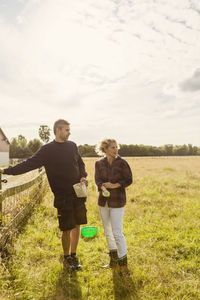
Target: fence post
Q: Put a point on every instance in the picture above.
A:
(1, 199)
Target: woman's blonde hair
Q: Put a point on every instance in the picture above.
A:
(103, 145)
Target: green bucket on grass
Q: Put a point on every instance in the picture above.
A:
(89, 231)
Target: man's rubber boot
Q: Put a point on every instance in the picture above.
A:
(113, 260)
(75, 263)
(68, 263)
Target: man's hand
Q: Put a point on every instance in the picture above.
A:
(1, 171)
(84, 180)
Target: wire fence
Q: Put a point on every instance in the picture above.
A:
(17, 203)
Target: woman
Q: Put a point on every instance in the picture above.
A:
(113, 173)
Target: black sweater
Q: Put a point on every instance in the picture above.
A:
(63, 164)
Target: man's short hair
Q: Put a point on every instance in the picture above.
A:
(59, 124)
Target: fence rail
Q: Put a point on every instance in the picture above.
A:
(17, 202)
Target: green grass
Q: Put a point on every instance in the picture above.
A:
(161, 225)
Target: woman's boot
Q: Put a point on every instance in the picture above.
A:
(113, 260)
(123, 265)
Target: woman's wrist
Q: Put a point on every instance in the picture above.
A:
(109, 185)
(116, 185)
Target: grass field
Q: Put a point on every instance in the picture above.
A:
(162, 229)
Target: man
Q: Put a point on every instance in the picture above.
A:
(64, 167)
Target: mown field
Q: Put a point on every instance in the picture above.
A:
(162, 229)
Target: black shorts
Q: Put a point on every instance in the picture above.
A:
(71, 211)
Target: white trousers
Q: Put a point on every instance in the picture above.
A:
(112, 220)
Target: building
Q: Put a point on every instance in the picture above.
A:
(4, 149)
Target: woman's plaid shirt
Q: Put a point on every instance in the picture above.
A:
(118, 172)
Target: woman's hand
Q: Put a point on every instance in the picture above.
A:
(109, 185)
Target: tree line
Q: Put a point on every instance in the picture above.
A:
(21, 148)
(143, 150)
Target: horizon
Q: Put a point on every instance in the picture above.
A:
(128, 144)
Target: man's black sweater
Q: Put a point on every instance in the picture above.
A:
(63, 164)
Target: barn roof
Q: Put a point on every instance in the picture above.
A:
(5, 138)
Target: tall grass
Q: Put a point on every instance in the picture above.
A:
(162, 229)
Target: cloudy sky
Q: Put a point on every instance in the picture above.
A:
(126, 69)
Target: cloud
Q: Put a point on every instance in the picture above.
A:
(192, 84)
(109, 67)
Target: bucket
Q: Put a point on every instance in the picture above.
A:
(89, 231)
(80, 190)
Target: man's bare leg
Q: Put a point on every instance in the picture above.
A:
(70, 239)
(75, 234)
(66, 240)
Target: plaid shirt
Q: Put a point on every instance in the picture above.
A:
(118, 172)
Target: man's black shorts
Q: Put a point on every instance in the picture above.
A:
(71, 211)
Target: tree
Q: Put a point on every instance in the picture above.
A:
(181, 150)
(87, 150)
(22, 146)
(168, 148)
(44, 133)
(19, 148)
(14, 148)
(34, 145)
(22, 142)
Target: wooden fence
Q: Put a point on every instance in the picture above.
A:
(17, 203)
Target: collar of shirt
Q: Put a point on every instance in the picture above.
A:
(107, 163)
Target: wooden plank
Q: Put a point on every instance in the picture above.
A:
(20, 188)
(0, 182)
(1, 200)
